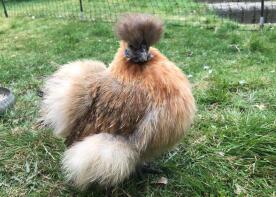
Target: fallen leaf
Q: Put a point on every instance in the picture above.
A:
(239, 189)
(242, 82)
(260, 106)
(162, 181)
(206, 67)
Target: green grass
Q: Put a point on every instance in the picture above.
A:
(230, 149)
(106, 10)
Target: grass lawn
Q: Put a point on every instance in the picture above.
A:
(230, 149)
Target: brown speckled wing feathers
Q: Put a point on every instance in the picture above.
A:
(114, 108)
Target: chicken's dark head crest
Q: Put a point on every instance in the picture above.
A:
(139, 31)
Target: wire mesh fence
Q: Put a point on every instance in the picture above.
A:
(187, 11)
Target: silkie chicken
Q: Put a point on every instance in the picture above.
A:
(114, 119)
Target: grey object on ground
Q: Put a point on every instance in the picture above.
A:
(246, 12)
(7, 99)
(230, 1)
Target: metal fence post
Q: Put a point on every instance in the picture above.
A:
(5, 9)
(262, 14)
(81, 10)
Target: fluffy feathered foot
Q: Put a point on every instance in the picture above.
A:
(148, 169)
(143, 170)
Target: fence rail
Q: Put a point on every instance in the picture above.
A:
(186, 11)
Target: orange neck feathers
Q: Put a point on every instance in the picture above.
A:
(126, 70)
(158, 76)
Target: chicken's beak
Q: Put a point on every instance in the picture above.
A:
(139, 56)
(144, 56)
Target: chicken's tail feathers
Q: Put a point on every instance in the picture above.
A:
(64, 88)
(138, 28)
(102, 158)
